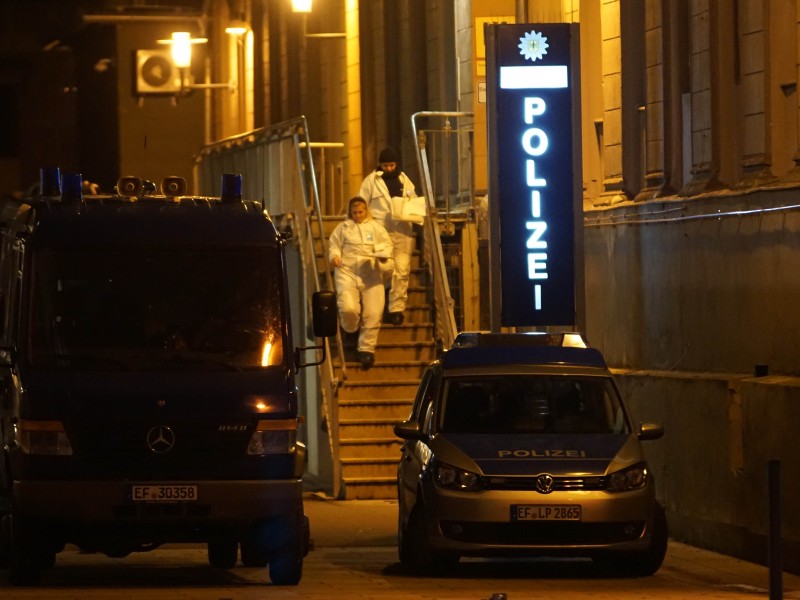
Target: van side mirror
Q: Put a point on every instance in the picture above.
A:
(324, 313)
(325, 323)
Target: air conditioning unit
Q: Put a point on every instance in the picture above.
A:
(156, 73)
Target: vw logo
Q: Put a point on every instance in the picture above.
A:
(160, 439)
(544, 484)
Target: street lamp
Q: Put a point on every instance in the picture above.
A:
(181, 43)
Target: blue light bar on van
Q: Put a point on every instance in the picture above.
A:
(231, 187)
(72, 187)
(50, 181)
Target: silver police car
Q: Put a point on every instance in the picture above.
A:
(520, 445)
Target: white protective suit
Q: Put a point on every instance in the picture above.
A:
(359, 283)
(376, 193)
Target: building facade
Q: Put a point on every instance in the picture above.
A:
(691, 191)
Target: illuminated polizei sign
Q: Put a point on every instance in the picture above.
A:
(531, 117)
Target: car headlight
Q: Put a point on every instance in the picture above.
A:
(632, 478)
(452, 478)
(48, 438)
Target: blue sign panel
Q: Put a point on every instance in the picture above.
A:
(533, 181)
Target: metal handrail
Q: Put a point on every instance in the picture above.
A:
(446, 328)
(250, 145)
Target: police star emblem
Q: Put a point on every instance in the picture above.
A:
(533, 46)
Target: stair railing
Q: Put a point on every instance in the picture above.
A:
(446, 328)
(278, 166)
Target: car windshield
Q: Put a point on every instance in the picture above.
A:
(156, 309)
(531, 404)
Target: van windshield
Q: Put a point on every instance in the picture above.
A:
(156, 309)
(531, 404)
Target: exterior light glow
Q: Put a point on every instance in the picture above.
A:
(181, 49)
(301, 6)
(237, 27)
(181, 43)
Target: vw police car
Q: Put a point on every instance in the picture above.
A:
(520, 445)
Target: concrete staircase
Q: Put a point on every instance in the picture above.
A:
(371, 402)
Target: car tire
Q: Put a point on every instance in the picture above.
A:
(222, 554)
(645, 562)
(415, 550)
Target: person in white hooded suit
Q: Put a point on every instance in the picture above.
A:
(378, 189)
(360, 251)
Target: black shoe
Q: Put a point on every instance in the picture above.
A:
(350, 340)
(395, 318)
(367, 359)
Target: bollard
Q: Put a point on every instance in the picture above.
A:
(775, 554)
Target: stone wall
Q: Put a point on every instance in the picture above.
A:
(685, 298)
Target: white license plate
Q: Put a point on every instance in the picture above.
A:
(164, 493)
(545, 512)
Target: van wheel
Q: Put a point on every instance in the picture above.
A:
(29, 553)
(286, 564)
(222, 554)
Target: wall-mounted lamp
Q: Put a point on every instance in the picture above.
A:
(181, 42)
(304, 6)
(237, 27)
(301, 6)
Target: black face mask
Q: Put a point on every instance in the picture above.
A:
(393, 182)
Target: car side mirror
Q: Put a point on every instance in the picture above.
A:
(650, 431)
(409, 430)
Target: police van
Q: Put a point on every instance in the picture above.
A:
(521, 445)
(147, 378)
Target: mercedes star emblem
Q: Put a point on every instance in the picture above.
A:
(160, 439)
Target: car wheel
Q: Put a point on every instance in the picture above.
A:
(415, 549)
(648, 561)
(222, 554)
(286, 564)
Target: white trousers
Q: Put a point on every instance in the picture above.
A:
(403, 246)
(360, 299)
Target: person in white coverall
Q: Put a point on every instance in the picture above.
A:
(360, 249)
(378, 188)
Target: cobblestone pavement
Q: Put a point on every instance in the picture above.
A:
(354, 557)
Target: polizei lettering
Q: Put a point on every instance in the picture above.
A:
(534, 142)
(541, 453)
